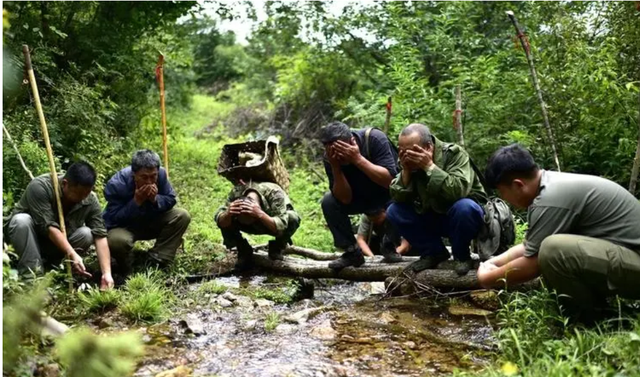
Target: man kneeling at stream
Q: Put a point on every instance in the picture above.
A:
(583, 236)
(257, 208)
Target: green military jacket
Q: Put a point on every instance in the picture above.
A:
(275, 202)
(452, 179)
(39, 202)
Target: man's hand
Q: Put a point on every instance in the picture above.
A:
(405, 163)
(235, 208)
(332, 156)
(78, 265)
(484, 270)
(106, 282)
(251, 208)
(152, 193)
(140, 195)
(348, 152)
(420, 157)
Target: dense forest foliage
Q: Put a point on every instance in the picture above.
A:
(303, 66)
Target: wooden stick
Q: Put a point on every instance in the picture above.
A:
(15, 147)
(457, 116)
(160, 77)
(52, 165)
(636, 161)
(387, 121)
(536, 85)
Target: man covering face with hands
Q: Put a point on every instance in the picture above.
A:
(257, 208)
(360, 165)
(140, 206)
(437, 194)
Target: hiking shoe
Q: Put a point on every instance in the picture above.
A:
(350, 258)
(276, 250)
(389, 253)
(245, 256)
(463, 267)
(429, 261)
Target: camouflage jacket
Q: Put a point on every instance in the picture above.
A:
(452, 179)
(274, 200)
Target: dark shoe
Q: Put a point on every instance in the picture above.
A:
(276, 250)
(463, 267)
(245, 256)
(350, 258)
(389, 253)
(429, 262)
(153, 261)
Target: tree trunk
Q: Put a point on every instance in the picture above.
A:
(457, 117)
(636, 161)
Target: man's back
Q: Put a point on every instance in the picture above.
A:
(583, 205)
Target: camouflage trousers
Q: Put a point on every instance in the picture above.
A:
(233, 238)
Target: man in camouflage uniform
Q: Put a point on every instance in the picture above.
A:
(437, 194)
(257, 208)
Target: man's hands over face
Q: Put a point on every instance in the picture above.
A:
(416, 158)
(340, 152)
(245, 206)
(146, 192)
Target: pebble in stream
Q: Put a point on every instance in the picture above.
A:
(357, 335)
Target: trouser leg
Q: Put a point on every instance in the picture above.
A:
(465, 218)
(81, 239)
(169, 227)
(423, 231)
(23, 238)
(121, 242)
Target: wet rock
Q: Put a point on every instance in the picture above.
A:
(244, 302)
(193, 325)
(250, 325)
(377, 288)
(303, 315)
(180, 371)
(49, 370)
(230, 296)
(224, 302)
(387, 318)
(104, 323)
(411, 345)
(261, 303)
(52, 328)
(285, 329)
(465, 311)
(324, 331)
(486, 299)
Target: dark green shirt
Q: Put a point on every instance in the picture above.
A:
(452, 179)
(274, 201)
(39, 202)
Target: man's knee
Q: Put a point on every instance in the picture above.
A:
(329, 203)
(467, 208)
(294, 222)
(82, 238)
(120, 240)
(396, 212)
(20, 222)
(182, 217)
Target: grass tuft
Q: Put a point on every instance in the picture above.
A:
(212, 287)
(271, 321)
(96, 300)
(146, 299)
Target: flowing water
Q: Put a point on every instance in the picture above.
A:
(353, 333)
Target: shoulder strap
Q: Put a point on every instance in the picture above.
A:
(483, 182)
(367, 132)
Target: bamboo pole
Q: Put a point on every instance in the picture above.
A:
(457, 116)
(15, 148)
(536, 84)
(387, 121)
(52, 165)
(635, 170)
(160, 77)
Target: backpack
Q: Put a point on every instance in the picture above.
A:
(367, 153)
(498, 232)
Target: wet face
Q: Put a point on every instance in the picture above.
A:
(74, 194)
(145, 176)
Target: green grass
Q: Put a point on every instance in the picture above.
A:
(96, 300)
(145, 298)
(271, 321)
(535, 340)
(212, 287)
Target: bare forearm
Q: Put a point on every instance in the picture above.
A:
(517, 271)
(364, 246)
(269, 222)
(341, 189)
(513, 253)
(104, 255)
(378, 174)
(60, 241)
(405, 176)
(225, 219)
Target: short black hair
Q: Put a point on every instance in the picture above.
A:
(426, 138)
(335, 131)
(145, 159)
(509, 163)
(81, 173)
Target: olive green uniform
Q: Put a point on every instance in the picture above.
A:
(586, 233)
